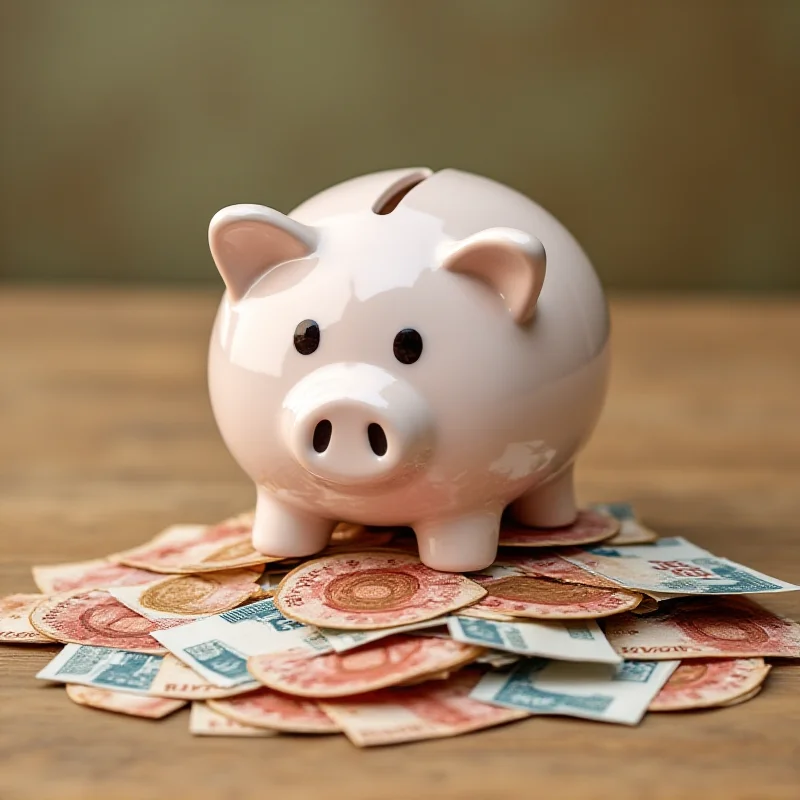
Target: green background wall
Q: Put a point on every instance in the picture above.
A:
(665, 134)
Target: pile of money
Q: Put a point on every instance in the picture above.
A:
(602, 620)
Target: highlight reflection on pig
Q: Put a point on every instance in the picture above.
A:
(393, 352)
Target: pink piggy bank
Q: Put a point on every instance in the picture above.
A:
(408, 348)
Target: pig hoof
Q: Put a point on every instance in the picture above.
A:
(542, 516)
(548, 506)
(464, 544)
(279, 530)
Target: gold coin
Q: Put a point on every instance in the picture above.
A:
(187, 594)
(532, 590)
(371, 590)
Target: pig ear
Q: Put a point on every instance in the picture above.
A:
(511, 262)
(248, 240)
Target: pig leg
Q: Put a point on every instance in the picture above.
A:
(281, 530)
(460, 544)
(549, 506)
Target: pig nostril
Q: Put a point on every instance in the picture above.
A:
(322, 435)
(377, 439)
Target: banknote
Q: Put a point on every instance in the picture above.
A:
(15, 625)
(441, 675)
(543, 565)
(276, 711)
(189, 596)
(178, 681)
(103, 668)
(197, 548)
(631, 530)
(742, 698)
(94, 617)
(497, 659)
(99, 573)
(374, 589)
(715, 627)
(591, 691)
(428, 711)
(341, 641)
(218, 647)
(706, 683)
(486, 613)
(578, 640)
(204, 721)
(389, 662)
(133, 705)
(673, 566)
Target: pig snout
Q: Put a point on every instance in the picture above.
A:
(356, 424)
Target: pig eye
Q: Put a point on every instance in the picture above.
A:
(407, 346)
(306, 337)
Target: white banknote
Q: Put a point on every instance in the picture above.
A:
(103, 668)
(342, 641)
(218, 647)
(591, 691)
(579, 640)
(673, 566)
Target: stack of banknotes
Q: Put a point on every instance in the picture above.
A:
(602, 620)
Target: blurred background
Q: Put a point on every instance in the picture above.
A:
(666, 135)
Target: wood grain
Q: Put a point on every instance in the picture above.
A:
(106, 435)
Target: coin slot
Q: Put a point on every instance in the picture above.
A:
(388, 203)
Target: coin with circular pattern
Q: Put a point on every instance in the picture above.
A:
(371, 589)
(94, 617)
(190, 596)
(589, 527)
(185, 549)
(388, 662)
(705, 683)
(539, 598)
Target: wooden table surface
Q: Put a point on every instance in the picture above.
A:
(106, 436)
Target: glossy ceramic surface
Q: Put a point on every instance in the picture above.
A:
(406, 348)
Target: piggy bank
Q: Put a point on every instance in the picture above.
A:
(407, 348)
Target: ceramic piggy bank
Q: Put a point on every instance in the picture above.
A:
(408, 348)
